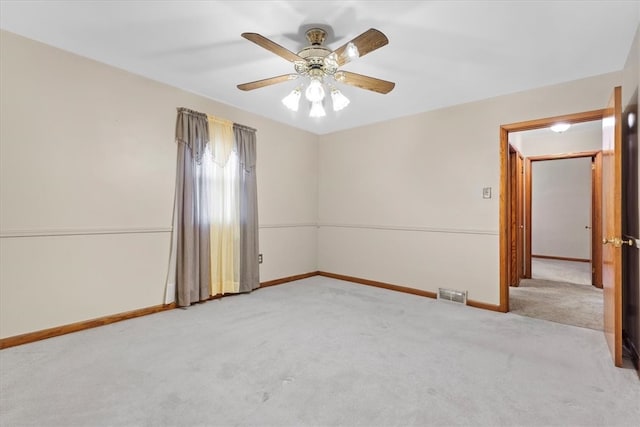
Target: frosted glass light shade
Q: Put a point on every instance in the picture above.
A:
(317, 110)
(292, 101)
(560, 127)
(339, 100)
(352, 51)
(315, 91)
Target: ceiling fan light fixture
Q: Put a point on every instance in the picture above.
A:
(318, 65)
(352, 51)
(292, 101)
(317, 110)
(339, 100)
(315, 91)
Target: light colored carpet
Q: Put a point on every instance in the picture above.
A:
(567, 303)
(561, 271)
(320, 352)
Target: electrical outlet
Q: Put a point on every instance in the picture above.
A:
(259, 258)
(486, 193)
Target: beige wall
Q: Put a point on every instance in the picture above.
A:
(87, 171)
(401, 201)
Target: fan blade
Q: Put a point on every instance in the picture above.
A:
(272, 46)
(366, 42)
(267, 82)
(364, 82)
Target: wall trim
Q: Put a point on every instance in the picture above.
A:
(405, 289)
(411, 228)
(564, 156)
(377, 284)
(288, 279)
(121, 230)
(79, 326)
(561, 258)
(82, 231)
(484, 306)
(290, 225)
(105, 320)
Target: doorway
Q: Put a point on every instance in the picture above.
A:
(511, 224)
(566, 226)
(555, 224)
(611, 217)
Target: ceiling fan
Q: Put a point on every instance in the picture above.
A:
(321, 65)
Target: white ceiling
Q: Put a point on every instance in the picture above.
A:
(440, 53)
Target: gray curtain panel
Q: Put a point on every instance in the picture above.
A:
(193, 272)
(245, 139)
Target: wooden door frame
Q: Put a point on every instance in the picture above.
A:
(506, 191)
(596, 208)
(516, 175)
(520, 164)
(514, 155)
(520, 230)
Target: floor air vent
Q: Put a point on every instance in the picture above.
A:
(452, 295)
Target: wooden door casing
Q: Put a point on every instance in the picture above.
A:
(505, 234)
(612, 224)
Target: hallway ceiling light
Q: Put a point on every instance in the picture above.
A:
(560, 127)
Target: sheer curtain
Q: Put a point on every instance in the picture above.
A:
(224, 202)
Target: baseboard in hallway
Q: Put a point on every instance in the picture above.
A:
(560, 258)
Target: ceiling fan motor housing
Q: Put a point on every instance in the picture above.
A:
(317, 61)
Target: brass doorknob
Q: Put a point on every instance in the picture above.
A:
(617, 242)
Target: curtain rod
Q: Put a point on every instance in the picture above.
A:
(245, 127)
(187, 110)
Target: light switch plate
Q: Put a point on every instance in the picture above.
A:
(486, 193)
